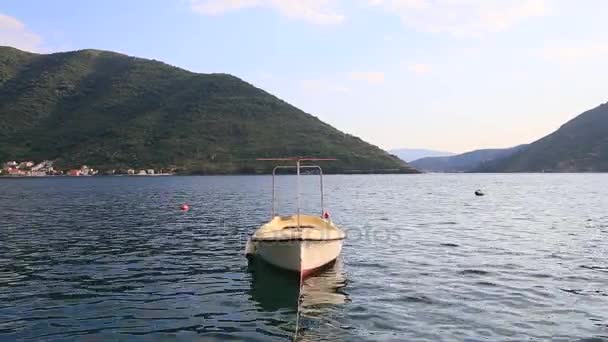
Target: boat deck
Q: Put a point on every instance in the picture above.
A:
(285, 228)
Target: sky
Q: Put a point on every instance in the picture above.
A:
(452, 75)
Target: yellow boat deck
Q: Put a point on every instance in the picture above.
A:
(285, 228)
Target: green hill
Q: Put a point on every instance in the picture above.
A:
(109, 110)
(580, 145)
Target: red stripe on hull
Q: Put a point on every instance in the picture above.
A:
(312, 271)
(303, 273)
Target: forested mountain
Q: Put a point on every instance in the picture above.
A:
(580, 145)
(109, 110)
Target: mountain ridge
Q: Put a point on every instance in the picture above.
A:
(111, 110)
(579, 145)
(464, 162)
(411, 154)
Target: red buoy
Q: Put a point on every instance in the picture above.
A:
(326, 215)
(184, 207)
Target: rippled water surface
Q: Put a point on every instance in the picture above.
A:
(105, 259)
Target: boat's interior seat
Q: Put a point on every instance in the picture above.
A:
(295, 227)
(312, 227)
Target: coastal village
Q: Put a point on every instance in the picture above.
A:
(46, 168)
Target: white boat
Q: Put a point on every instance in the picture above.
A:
(299, 243)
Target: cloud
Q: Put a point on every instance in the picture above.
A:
(574, 52)
(313, 11)
(367, 76)
(14, 33)
(419, 68)
(322, 86)
(217, 7)
(462, 18)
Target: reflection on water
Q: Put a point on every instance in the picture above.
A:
(324, 289)
(112, 259)
(273, 289)
(321, 305)
(320, 298)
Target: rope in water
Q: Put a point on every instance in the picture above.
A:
(301, 285)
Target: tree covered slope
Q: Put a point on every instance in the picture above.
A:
(109, 110)
(580, 145)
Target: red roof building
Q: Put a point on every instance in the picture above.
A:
(15, 172)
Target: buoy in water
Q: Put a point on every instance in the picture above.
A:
(184, 207)
(479, 193)
(326, 215)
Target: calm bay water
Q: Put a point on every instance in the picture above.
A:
(103, 259)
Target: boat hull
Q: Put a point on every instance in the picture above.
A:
(302, 256)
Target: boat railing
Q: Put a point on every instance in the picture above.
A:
(298, 168)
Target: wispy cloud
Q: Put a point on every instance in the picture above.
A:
(314, 11)
(14, 33)
(217, 7)
(577, 52)
(367, 76)
(323, 86)
(462, 18)
(419, 68)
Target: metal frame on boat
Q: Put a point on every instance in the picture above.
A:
(301, 243)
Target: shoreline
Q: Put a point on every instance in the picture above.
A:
(327, 174)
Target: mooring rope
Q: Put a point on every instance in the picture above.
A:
(298, 311)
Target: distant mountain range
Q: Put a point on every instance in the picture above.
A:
(466, 162)
(580, 145)
(409, 154)
(109, 110)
